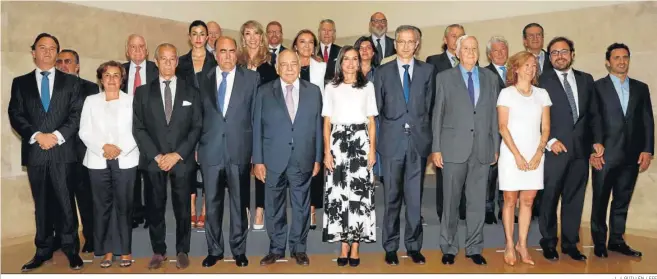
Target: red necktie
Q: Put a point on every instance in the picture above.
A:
(137, 80)
(326, 54)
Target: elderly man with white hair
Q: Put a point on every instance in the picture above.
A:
(465, 144)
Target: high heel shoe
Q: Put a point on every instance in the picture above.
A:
(262, 218)
(313, 221)
(524, 257)
(508, 259)
(194, 221)
(201, 222)
(353, 262)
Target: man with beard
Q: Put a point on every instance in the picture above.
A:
(385, 46)
(275, 39)
(575, 134)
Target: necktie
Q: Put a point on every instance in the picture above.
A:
(289, 101)
(221, 92)
(571, 97)
(455, 61)
(326, 54)
(407, 83)
(379, 50)
(539, 69)
(168, 101)
(471, 88)
(273, 55)
(503, 68)
(45, 90)
(137, 82)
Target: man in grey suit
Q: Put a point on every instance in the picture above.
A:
(287, 151)
(224, 150)
(404, 96)
(465, 144)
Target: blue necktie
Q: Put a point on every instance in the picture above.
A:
(407, 83)
(221, 92)
(503, 68)
(471, 88)
(45, 90)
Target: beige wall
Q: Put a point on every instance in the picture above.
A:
(99, 35)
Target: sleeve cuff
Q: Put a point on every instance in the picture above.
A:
(60, 138)
(33, 138)
(549, 143)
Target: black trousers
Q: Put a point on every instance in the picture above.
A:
(317, 189)
(113, 198)
(51, 186)
(618, 180)
(259, 194)
(84, 202)
(565, 179)
(139, 213)
(180, 190)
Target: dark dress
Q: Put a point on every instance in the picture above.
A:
(317, 183)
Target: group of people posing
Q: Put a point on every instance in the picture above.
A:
(324, 122)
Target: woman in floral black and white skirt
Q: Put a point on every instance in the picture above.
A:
(349, 154)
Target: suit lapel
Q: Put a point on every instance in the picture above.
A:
(581, 92)
(180, 95)
(157, 104)
(633, 99)
(611, 94)
(280, 98)
(57, 89)
(396, 79)
(483, 86)
(211, 84)
(235, 94)
(462, 92)
(302, 107)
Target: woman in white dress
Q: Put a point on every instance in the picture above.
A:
(524, 121)
(349, 154)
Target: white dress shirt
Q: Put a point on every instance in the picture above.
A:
(322, 45)
(347, 105)
(51, 84)
(500, 72)
(400, 65)
(230, 79)
(108, 122)
(573, 86)
(131, 76)
(295, 92)
(277, 47)
(382, 42)
(172, 85)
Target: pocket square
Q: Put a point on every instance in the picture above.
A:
(186, 103)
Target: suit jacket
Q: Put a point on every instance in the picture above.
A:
(625, 136)
(282, 48)
(441, 61)
(330, 65)
(232, 134)
(87, 88)
(577, 138)
(93, 126)
(277, 142)
(459, 129)
(492, 68)
(317, 74)
(185, 68)
(394, 112)
(547, 65)
(152, 73)
(389, 51)
(150, 129)
(27, 116)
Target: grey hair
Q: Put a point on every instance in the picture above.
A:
(416, 32)
(453, 26)
(460, 40)
(157, 49)
(495, 39)
(127, 42)
(328, 20)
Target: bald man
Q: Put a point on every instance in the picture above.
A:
(383, 44)
(214, 32)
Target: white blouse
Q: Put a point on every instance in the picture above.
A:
(347, 105)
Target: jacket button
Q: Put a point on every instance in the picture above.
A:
(290, 143)
(471, 130)
(223, 135)
(475, 112)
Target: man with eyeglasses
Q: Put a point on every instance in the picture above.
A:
(68, 61)
(214, 32)
(275, 39)
(405, 141)
(385, 46)
(575, 135)
(532, 39)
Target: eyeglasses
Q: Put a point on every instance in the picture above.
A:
(65, 61)
(560, 52)
(379, 21)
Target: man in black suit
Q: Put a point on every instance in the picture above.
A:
(497, 51)
(224, 152)
(385, 46)
(68, 61)
(275, 39)
(575, 134)
(327, 49)
(533, 38)
(139, 71)
(167, 124)
(629, 127)
(44, 110)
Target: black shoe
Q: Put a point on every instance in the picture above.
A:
(271, 258)
(574, 253)
(462, 215)
(301, 258)
(499, 216)
(74, 261)
(448, 259)
(354, 262)
(35, 262)
(212, 260)
(550, 253)
(391, 258)
(146, 224)
(600, 251)
(417, 257)
(88, 247)
(241, 260)
(625, 250)
(343, 261)
(490, 218)
(477, 259)
(56, 243)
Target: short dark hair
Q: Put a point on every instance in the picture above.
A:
(197, 23)
(338, 79)
(45, 35)
(533, 24)
(614, 46)
(363, 39)
(75, 53)
(103, 68)
(570, 43)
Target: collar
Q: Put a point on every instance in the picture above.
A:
(285, 84)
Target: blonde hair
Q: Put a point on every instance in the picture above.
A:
(263, 55)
